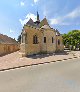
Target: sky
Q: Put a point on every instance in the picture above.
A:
(63, 15)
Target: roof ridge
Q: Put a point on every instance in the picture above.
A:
(6, 39)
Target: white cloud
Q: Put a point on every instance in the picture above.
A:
(22, 3)
(30, 15)
(59, 21)
(35, 1)
(54, 21)
(66, 19)
(75, 13)
(11, 31)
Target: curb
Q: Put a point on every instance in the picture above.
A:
(17, 67)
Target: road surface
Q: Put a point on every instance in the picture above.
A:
(54, 77)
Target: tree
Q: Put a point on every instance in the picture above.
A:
(72, 38)
(19, 39)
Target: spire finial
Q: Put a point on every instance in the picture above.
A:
(37, 16)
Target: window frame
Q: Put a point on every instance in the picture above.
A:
(35, 39)
(44, 39)
(52, 39)
(58, 41)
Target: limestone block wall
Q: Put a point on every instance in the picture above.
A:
(2, 51)
(49, 46)
(27, 46)
(30, 48)
(8, 48)
(22, 48)
(59, 47)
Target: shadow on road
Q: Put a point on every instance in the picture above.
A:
(35, 56)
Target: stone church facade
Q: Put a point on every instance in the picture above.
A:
(39, 37)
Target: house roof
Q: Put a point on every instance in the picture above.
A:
(4, 39)
(30, 22)
(37, 23)
(44, 22)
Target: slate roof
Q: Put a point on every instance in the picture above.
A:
(4, 39)
(30, 22)
(44, 22)
(37, 23)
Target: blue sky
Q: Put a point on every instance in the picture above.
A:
(63, 15)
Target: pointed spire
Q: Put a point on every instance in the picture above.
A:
(38, 16)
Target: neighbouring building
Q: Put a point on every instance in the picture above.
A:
(39, 37)
(7, 45)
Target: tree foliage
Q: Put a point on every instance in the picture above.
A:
(72, 38)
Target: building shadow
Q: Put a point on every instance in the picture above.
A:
(40, 56)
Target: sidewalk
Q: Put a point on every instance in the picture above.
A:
(13, 60)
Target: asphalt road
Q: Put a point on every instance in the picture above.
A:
(54, 77)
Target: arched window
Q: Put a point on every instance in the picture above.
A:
(35, 39)
(58, 42)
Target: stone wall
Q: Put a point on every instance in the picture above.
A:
(59, 47)
(49, 47)
(27, 46)
(30, 48)
(8, 48)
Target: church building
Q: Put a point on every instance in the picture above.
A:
(38, 37)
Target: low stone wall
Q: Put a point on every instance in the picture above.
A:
(8, 48)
